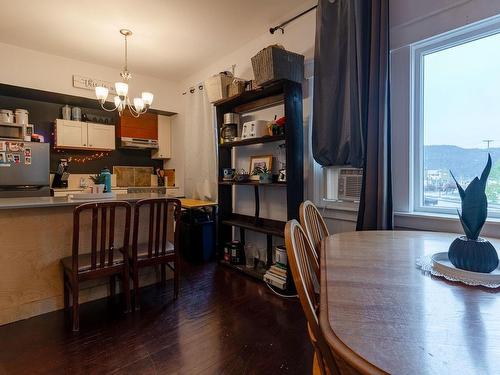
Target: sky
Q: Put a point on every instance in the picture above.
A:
(462, 94)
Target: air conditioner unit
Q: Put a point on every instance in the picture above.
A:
(349, 186)
(343, 183)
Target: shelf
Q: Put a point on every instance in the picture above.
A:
(266, 226)
(253, 183)
(254, 141)
(241, 268)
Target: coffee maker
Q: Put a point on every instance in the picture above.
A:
(229, 130)
(62, 175)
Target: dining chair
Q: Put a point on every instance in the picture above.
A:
(103, 260)
(305, 271)
(313, 224)
(157, 250)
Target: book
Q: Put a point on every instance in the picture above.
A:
(274, 281)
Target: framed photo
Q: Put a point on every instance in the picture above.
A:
(263, 161)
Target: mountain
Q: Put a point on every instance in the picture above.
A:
(465, 163)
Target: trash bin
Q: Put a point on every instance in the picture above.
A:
(197, 236)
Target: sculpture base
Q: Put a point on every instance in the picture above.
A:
(473, 255)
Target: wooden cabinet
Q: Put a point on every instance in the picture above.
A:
(101, 136)
(83, 135)
(144, 127)
(164, 139)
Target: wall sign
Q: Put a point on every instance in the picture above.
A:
(88, 83)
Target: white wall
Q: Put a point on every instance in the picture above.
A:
(28, 68)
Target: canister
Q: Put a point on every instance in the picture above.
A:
(6, 115)
(76, 113)
(21, 116)
(66, 112)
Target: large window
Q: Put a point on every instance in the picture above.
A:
(456, 116)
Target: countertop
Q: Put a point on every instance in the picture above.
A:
(36, 202)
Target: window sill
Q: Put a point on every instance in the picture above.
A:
(437, 222)
(338, 210)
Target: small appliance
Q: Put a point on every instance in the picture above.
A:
(128, 142)
(62, 175)
(254, 129)
(229, 130)
(9, 130)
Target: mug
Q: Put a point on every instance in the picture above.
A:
(228, 173)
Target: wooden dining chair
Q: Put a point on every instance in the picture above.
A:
(157, 250)
(103, 260)
(305, 271)
(313, 224)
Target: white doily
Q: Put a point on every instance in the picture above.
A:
(426, 264)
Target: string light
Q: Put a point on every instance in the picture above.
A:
(86, 158)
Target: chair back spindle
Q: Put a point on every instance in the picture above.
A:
(313, 224)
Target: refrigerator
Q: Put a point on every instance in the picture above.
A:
(24, 169)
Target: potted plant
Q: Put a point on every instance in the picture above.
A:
(265, 175)
(471, 252)
(99, 181)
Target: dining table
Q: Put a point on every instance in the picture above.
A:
(378, 303)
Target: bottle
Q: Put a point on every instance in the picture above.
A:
(107, 180)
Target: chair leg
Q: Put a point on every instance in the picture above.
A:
(176, 276)
(75, 308)
(135, 278)
(112, 286)
(66, 291)
(163, 269)
(126, 288)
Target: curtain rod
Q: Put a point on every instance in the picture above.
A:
(281, 25)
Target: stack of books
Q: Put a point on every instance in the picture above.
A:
(276, 276)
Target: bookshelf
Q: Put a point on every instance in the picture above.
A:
(288, 94)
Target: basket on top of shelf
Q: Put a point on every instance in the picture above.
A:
(274, 63)
(223, 85)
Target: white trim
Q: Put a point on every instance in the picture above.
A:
(419, 50)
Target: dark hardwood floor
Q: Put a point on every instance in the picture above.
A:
(222, 323)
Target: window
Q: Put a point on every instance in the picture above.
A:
(456, 116)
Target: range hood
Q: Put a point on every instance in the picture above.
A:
(139, 143)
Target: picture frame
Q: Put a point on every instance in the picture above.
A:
(260, 161)
(3, 158)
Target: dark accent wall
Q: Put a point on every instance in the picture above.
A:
(43, 115)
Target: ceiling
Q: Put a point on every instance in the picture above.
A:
(172, 38)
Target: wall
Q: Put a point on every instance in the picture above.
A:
(33, 69)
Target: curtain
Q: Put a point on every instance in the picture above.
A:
(200, 173)
(351, 118)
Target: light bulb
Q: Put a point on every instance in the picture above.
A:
(138, 104)
(121, 88)
(147, 98)
(118, 103)
(101, 93)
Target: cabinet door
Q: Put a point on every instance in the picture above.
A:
(145, 126)
(101, 137)
(72, 134)
(164, 139)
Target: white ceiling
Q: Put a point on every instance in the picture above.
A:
(172, 38)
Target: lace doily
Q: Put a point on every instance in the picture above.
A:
(426, 264)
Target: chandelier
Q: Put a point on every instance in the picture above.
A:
(121, 99)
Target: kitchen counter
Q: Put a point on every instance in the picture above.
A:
(37, 202)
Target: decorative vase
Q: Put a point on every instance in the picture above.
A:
(473, 255)
(265, 178)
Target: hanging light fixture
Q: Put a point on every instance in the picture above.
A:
(121, 100)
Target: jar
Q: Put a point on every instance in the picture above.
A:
(6, 115)
(76, 113)
(236, 251)
(66, 112)
(22, 116)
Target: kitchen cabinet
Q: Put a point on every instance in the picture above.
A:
(84, 135)
(101, 136)
(164, 150)
(143, 127)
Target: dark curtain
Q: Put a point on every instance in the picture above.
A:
(351, 113)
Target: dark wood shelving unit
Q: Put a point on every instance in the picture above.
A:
(288, 94)
(253, 141)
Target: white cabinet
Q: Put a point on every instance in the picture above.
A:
(84, 135)
(164, 139)
(71, 133)
(101, 136)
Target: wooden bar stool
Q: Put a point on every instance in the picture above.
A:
(156, 252)
(100, 262)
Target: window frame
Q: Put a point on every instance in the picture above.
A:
(419, 50)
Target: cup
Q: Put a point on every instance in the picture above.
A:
(250, 251)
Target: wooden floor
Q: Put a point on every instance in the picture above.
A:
(222, 323)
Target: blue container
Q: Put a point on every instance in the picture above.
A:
(107, 180)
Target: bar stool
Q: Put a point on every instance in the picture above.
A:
(100, 262)
(154, 252)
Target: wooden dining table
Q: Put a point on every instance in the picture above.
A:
(377, 302)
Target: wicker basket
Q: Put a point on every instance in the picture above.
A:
(217, 87)
(236, 87)
(274, 63)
